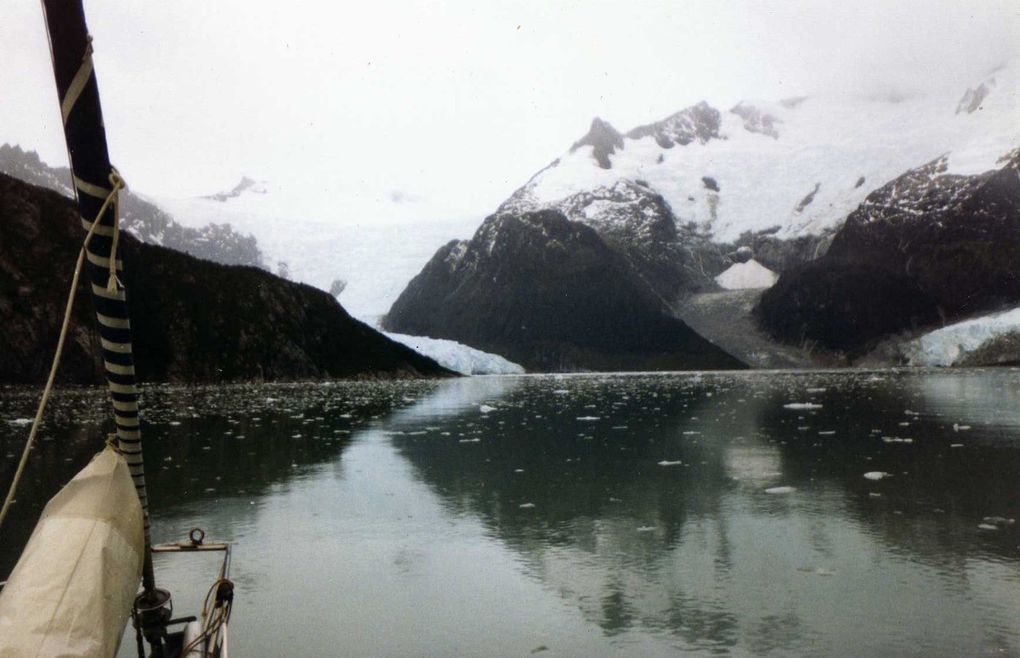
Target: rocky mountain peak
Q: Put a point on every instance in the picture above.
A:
(756, 120)
(244, 185)
(974, 96)
(604, 140)
(696, 123)
(26, 165)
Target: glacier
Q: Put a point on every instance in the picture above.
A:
(950, 344)
(458, 357)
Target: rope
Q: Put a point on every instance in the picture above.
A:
(216, 614)
(117, 184)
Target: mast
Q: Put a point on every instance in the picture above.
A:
(95, 185)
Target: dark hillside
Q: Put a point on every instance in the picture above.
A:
(193, 320)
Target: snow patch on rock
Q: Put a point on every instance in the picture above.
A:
(741, 276)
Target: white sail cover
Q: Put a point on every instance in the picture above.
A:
(72, 591)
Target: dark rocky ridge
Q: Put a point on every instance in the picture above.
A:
(244, 185)
(756, 120)
(216, 242)
(192, 320)
(552, 295)
(604, 140)
(973, 98)
(674, 259)
(925, 249)
(699, 123)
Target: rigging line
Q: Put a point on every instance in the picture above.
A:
(111, 197)
(118, 183)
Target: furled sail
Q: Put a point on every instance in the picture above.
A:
(72, 591)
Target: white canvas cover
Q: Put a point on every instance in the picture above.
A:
(72, 590)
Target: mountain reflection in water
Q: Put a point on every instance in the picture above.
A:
(588, 515)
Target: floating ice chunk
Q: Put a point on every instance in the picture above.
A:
(20, 421)
(526, 505)
(801, 405)
(896, 439)
(826, 432)
(646, 528)
(561, 391)
(955, 445)
(665, 462)
(780, 490)
(469, 441)
(816, 390)
(960, 428)
(587, 418)
(877, 475)
(484, 408)
(987, 526)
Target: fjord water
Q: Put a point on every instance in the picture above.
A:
(582, 515)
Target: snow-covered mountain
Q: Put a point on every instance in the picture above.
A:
(927, 248)
(690, 200)
(799, 165)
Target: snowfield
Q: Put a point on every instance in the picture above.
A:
(376, 256)
(457, 357)
(948, 345)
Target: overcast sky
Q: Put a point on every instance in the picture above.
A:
(455, 104)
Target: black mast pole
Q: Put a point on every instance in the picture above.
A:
(95, 184)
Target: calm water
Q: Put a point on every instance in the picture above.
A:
(583, 515)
